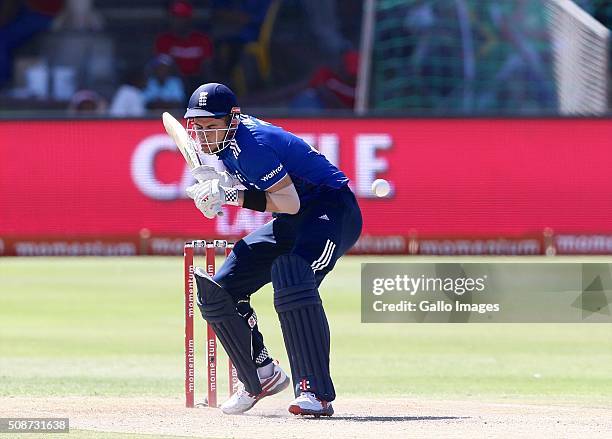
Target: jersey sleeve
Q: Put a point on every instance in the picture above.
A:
(163, 43)
(206, 44)
(263, 167)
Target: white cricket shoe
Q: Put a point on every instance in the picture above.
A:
(308, 404)
(241, 401)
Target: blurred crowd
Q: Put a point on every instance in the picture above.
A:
(109, 58)
(127, 59)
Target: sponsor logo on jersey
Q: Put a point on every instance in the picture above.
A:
(271, 174)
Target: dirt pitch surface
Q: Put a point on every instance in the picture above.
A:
(381, 417)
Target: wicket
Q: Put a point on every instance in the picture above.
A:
(190, 251)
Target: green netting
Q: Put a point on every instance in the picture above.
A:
(466, 56)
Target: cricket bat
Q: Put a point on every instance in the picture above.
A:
(183, 142)
(181, 138)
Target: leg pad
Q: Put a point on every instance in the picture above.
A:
(304, 325)
(219, 310)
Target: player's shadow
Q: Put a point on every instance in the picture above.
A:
(394, 418)
(374, 418)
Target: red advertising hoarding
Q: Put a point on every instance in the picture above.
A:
(459, 186)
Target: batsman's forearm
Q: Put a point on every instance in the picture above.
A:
(282, 203)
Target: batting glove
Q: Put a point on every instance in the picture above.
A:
(204, 173)
(209, 196)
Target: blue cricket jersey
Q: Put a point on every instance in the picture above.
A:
(262, 154)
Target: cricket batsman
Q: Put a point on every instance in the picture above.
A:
(316, 220)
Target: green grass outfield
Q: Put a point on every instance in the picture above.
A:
(114, 326)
